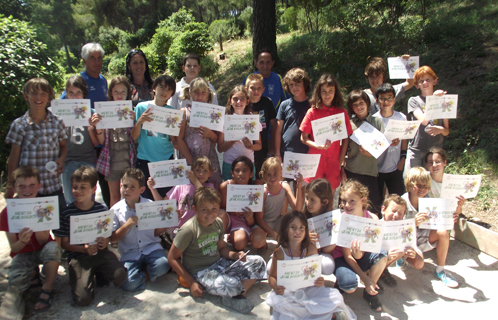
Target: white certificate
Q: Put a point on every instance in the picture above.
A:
(87, 228)
(326, 226)
(400, 68)
(74, 112)
(115, 114)
(460, 185)
(37, 214)
(441, 107)
(237, 127)
(370, 232)
(371, 139)
(207, 115)
(400, 129)
(164, 120)
(332, 128)
(305, 164)
(439, 211)
(297, 274)
(157, 214)
(169, 173)
(399, 234)
(241, 196)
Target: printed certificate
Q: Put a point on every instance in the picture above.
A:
(400, 129)
(169, 173)
(115, 114)
(237, 127)
(400, 68)
(460, 185)
(332, 128)
(74, 112)
(164, 120)
(207, 115)
(87, 228)
(242, 196)
(305, 164)
(399, 234)
(297, 274)
(326, 226)
(370, 232)
(440, 212)
(371, 139)
(37, 214)
(157, 214)
(441, 107)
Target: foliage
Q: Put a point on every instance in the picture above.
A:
(23, 57)
(222, 30)
(178, 20)
(117, 64)
(61, 59)
(112, 39)
(289, 18)
(246, 16)
(159, 46)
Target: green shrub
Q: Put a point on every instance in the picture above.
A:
(223, 29)
(117, 65)
(246, 16)
(289, 18)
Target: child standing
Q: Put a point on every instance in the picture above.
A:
(198, 142)
(418, 183)
(137, 248)
(360, 164)
(238, 103)
(239, 221)
(28, 249)
(153, 146)
(89, 260)
(263, 107)
(118, 151)
(199, 255)
(321, 302)
(376, 74)
(390, 164)
(277, 197)
(352, 261)
(327, 100)
(37, 138)
(430, 133)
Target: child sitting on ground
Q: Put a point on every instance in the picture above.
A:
(88, 261)
(28, 249)
(200, 257)
(137, 248)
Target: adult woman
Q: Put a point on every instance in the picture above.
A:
(137, 72)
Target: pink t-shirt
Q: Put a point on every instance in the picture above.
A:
(337, 252)
(184, 195)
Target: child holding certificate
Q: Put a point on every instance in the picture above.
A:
(418, 183)
(277, 197)
(327, 101)
(118, 151)
(352, 261)
(197, 142)
(28, 249)
(238, 103)
(242, 173)
(323, 302)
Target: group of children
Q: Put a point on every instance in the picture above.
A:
(198, 253)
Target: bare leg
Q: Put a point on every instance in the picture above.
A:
(443, 244)
(258, 238)
(240, 239)
(376, 269)
(248, 284)
(50, 269)
(114, 190)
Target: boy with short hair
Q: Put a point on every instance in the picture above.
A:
(28, 249)
(418, 183)
(393, 209)
(201, 259)
(137, 248)
(191, 66)
(376, 74)
(87, 260)
(392, 161)
(262, 106)
(37, 138)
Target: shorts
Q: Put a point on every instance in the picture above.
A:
(237, 223)
(423, 240)
(329, 169)
(274, 225)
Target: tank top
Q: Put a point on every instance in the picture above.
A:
(273, 204)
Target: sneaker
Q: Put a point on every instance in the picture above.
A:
(447, 278)
(238, 303)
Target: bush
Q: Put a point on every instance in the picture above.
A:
(23, 57)
(160, 44)
(117, 64)
(246, 16)
(62, 60)
(289, 18)
(223, 28)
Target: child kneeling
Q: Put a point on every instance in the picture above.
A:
(199, 256)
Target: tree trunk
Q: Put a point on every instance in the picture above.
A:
(221, 43)
(264, 26)
(68, 58)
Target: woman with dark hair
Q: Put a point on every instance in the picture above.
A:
(137, 72)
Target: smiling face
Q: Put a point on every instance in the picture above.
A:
(255, 89)
(327, 94)
(82, 191)
(241, 173)
(119, 92)
(200, 95)
(273, 176)
(73, 92)
(93, 64)
(37, 99)
(264, 64)
(137, 66)
(360, 108)
(435, 164)
(375, 80)
(131, 190)
(27, 187)
(239, 102)
(386, 101)
(296, 231)
(393, 212)
(297, 89)
(206, 212)
(202, 173)
(426, 85)
(420, 189)
(352, 203)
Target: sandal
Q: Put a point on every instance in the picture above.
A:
(36, 282)
(373, 301)
(46, 302)
(388, 279)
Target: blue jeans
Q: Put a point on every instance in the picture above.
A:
(156, 263)
(69, 169)
(346, 277)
